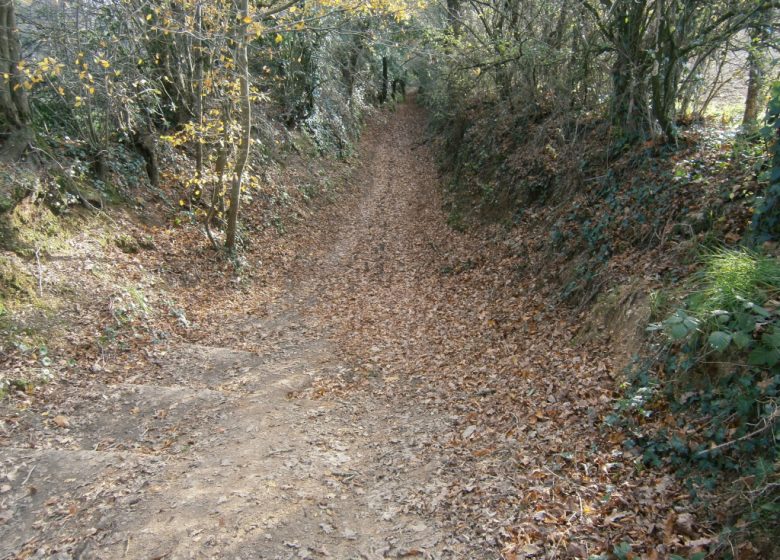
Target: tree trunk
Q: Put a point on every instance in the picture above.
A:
(672, 21)
(630, 108)
(755, 85)
(453, 17)
(629, 99)
(199, 99)
(242, 65)
(146, 144)
(757, 66)
(14, 104)
(665, 87)
(383, 94)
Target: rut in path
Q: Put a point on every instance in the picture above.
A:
(213, 455)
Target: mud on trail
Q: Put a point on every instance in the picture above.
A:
(411, 394)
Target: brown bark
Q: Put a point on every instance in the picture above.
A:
(383, 93)
(453, 17)
(146, 144)
(757, 65)
(630, 70)
(199, 97)
(242, 64)
(13, 96)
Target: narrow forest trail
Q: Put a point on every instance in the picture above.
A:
(219, 454)
(413, 393)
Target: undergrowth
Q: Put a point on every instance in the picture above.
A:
(706, 401)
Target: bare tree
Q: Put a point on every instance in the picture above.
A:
(242, 65)
(13, 93)
(757, 67)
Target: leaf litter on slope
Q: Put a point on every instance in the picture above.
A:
(435, 319)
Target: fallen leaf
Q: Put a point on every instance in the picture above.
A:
(468, 432)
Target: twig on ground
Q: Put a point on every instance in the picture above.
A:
(29, 474)
(768, 422)
(40, 271)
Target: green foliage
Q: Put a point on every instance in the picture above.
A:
(720, 377)
(732, 277)
(455, 219)
(659, 301)
(766, 220)
(727, 312)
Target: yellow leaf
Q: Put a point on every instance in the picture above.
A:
(278, 38)
(105, 63)
(148, 17)
(61, 91)
(182, 202)
(91, 90)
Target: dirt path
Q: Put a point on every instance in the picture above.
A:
(220, 454)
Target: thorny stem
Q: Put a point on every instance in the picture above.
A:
(768, 422)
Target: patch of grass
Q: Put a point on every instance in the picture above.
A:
(659, 302)
(728, 113)
(15, 283)
(30, 226)
(732, 276)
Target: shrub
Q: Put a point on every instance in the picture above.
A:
(720, 377)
